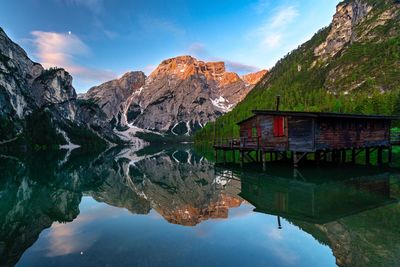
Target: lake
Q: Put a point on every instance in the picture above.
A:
(175, 207)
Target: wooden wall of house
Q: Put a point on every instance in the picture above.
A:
(301, 134)
(336, 133)
(264, 129)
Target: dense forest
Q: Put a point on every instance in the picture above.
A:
(362, 78)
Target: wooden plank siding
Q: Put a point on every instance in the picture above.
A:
(350, 133)
(301, 134)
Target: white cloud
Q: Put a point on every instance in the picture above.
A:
(272, 32)
(239, 67)
(200, 51)
(54, 49)
(283, 17)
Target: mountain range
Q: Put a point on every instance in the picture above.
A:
(41, 107)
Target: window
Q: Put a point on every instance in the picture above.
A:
(279, 126)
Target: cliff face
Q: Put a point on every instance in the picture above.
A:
(17, 73)
(348, 16)
(114, 96)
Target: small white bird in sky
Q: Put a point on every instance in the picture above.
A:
(69, 32)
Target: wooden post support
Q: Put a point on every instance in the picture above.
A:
(344, 155)
(216, 155)
(263, 158)
(353, 156)
(295, 162)
(390, 155)
(285, 157)
(241, 158)
(257, 156)
(333, 156)
(379, 156)
(234, 156)
(317, 156)
(367, 156)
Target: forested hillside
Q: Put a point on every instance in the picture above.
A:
(352, 66)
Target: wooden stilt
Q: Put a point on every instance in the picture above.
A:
(234, 156)
(318, 157)
(390, 155)
(367, 156)
(353, 156)
(241, 158)
(285, 157)
(379, 156)
(263, 158)
(216, 155)
(295, 162)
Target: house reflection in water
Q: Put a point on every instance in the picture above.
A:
(318, 196)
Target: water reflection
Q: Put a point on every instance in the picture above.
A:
(353, 210)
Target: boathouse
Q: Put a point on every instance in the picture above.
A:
(302, 133)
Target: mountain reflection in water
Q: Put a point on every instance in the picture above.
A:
(353, 210)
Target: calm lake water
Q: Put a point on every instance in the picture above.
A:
(176, 208)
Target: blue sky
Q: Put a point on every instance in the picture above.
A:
(97, 40)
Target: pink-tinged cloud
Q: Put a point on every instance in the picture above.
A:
(61, 50)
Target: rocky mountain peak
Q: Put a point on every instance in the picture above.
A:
(53, 86)
(348, 15)
(185, 66)
(254, 78)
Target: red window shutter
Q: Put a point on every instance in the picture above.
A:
(279, 129)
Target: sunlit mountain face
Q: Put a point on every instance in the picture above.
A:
(65, 208)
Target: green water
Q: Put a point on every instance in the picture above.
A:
(173, 207)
